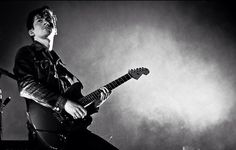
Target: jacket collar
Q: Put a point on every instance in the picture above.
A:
(39, 46)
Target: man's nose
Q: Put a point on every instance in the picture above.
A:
(47, 21)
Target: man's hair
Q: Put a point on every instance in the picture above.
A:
(35, 12)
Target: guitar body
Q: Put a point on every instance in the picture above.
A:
(53, 127)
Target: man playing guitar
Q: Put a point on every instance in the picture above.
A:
(44, 82)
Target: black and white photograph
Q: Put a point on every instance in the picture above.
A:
(117, 75)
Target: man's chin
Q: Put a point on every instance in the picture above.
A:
(48, 29)
(47, 32)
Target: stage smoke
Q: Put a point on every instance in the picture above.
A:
(186, 92)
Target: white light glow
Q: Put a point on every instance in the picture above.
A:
(181, 87)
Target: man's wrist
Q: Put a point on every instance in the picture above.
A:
(60, 104)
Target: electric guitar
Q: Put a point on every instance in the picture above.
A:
(53, 127)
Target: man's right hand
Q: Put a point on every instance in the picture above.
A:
(75, 110)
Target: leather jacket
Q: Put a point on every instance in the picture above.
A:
(42, 76)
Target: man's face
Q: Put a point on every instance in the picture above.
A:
(44, 25)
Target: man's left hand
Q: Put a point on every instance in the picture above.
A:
(105, 93)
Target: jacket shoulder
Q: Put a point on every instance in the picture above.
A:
(25, 51)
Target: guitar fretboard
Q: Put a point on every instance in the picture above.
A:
(90, 98)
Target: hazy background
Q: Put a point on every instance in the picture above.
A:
(189, 47)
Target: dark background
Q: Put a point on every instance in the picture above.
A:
(187, 99)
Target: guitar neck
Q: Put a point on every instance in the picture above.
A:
(90, 98)
(112, 85)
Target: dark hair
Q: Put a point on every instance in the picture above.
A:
(33, 13)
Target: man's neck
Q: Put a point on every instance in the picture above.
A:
(46, 42)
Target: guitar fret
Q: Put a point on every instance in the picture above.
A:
(89, 96)
(92, 96)
(119, 81)
(95, 94)
(108, 86)
(127, 76)
(113, 84)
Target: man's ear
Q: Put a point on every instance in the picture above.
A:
(31, 32)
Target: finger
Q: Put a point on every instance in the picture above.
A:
(108, 91)
(102, 96)
(105, 91)
(75, 116)
(78, 114)
(82, 110)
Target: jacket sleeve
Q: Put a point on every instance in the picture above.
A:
(28, 85)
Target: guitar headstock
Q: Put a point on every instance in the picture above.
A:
(138, 72)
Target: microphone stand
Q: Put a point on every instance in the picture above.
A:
(4, 72)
